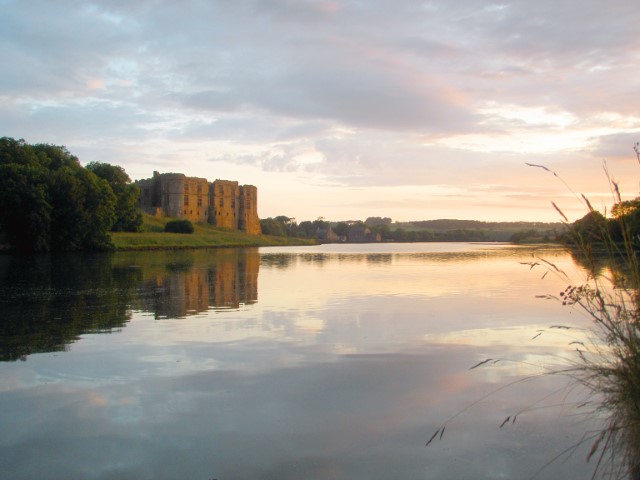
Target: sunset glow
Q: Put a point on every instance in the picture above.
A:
(339, 109)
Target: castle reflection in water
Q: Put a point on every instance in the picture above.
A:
(189, 284)
(49, 301)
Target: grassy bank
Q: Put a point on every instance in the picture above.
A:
(153, 237)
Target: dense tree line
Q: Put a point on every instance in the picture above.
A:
(452, 224)
(128, 215)
(622, 227)
(50, 202)
(287, 227)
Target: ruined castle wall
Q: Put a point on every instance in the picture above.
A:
(249, 221)
(195, 199)
(171, 187)
(149, 200)
(224, 204)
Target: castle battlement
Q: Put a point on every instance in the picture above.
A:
(223, 203)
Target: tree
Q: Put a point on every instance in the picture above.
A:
(83, 210)
(270, 226)
(592, 228)
(320, 224)
(375, 221)
(128, 215)
(625, 224)
(400, 235)
(305, 229)
(625, 208)
(25, 216)
(342, 229)
(50, 202)
(383, 229)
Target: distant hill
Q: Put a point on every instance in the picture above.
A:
(452, 224)
(492, 231)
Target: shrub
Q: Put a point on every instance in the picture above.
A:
(179, 226)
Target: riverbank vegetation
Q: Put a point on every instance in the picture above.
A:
(607, 351)
(609, 366)
(607, 362)
(152, 236)
(443, 230)
(52, 203)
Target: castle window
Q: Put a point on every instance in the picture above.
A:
(199, 201)
(186, 188)
(199, 188)
(221, 190)
(221, 203)
(186, 199)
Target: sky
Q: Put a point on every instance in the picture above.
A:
(412, 110)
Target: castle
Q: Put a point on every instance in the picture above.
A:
(222, 203)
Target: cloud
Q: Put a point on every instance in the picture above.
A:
(617, 146)
(377, 93)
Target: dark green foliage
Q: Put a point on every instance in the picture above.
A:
(50, 202)
(305, 229)
(375, 221)
(271, 226)
(179, 226)
(128, 215)
(533, 236)
(451, 224)
(592, 228)
(25, 216)
(83, 210)
(383, 229)
(341, 229)
(50, 300)
(320, 224)
(625, 224)
(622, 228)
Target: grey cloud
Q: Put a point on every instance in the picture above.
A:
(617, 146)
(55, 49)
(369, 98)
(288, 74)
(77, 121)
(298, 10)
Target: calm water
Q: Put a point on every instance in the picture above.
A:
(328, 362)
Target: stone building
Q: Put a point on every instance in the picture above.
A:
(327, 235)
(222, 203)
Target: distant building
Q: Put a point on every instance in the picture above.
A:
(327, 235)
(222, 203)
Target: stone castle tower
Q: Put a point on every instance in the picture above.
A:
(222, 203)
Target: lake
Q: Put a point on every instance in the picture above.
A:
(323, 362)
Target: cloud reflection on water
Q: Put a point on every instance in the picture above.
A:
(341, 369)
